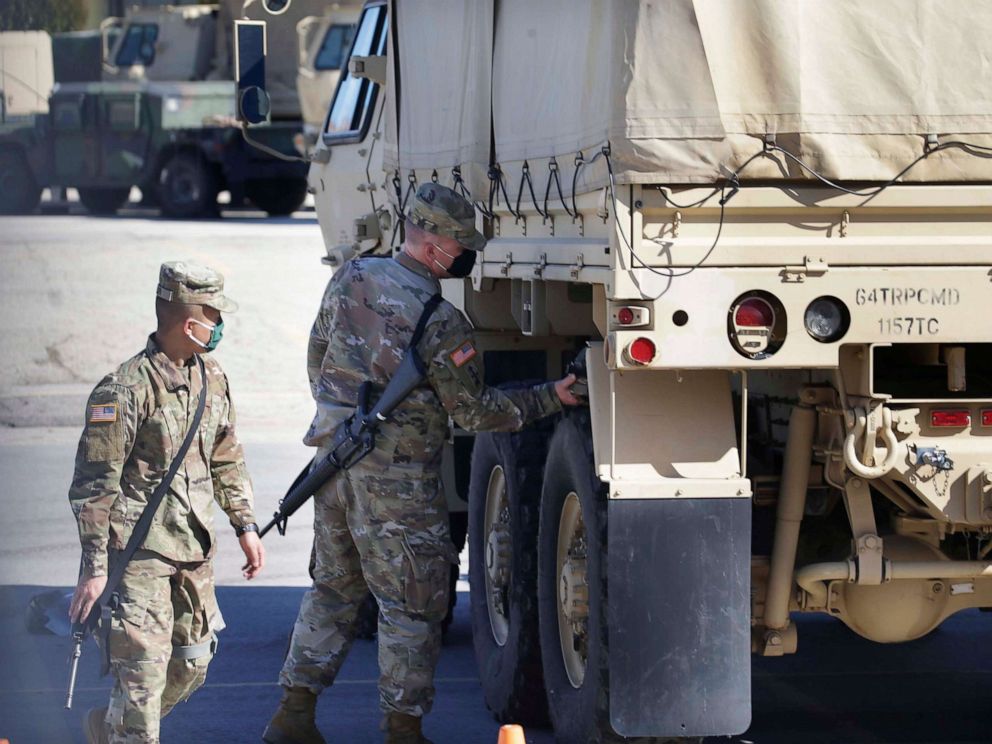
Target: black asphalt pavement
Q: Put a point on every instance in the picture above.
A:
(838, 688)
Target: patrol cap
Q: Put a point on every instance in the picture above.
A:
(442, 211)
(193, 284)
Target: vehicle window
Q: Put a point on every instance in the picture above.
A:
(354, 100)
(138, 47)
(336, 43)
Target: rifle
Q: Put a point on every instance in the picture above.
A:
(354, 437)
(352, 440)
(99, 615)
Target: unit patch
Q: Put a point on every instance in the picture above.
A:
(463, 354)
(103, 413)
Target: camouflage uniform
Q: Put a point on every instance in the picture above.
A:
(384, 524)
(163, 631)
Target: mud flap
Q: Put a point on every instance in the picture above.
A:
(679, 616)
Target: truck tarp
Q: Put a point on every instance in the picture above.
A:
(684, 91)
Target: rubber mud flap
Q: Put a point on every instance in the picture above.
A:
(679, 616)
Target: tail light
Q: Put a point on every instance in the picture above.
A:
(631, 316)
(753, 321)
(827, 319)
(952, 418)
(987, 417)
(640, 351)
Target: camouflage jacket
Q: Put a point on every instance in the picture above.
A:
(136, 420)
(367, 318)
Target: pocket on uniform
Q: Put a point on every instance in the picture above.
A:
(128, 636)
(426, 577)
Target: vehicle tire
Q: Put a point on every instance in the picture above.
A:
(572, 552)
(279, 197)
(103, 201)
(19, 191)
(187, 187)
(504, 496)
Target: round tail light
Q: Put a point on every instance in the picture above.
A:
(625, 316)
(754, 312)
(827, 319)
(641, 351)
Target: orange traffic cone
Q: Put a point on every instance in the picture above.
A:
(511, 734)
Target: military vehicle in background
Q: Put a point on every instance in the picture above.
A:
(769, 227)
(162, 117)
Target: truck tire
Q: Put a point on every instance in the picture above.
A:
(19, 191)
(187, 187)
(572, 552)
(504, 496)
(279, 197)
(103, 200)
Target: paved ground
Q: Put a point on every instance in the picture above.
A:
(75, 299)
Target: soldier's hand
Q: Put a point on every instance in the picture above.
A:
(251, 546)
(88, 591)
(564, 393)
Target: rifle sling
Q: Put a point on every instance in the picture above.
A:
(144, 523)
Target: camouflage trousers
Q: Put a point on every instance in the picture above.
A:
(167, 612)
(382, 529)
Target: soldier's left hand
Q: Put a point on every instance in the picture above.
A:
(251, 545)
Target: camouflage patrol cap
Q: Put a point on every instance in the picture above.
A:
(193, 284)
(441, 211)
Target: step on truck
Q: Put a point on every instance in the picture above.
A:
(766, 230)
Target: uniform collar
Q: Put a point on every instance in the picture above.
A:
(409, 262)
(175, 377)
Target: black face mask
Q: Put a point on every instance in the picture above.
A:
(461, 266)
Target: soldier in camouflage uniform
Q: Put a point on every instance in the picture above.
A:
(163, 630)
(383, 524)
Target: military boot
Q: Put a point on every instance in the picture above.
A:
(293, 722)
(95, 726)
(401, 728)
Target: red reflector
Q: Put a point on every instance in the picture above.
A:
(641, 350)
(987, 417)
(950, 418)
(625, 315)
(754, 312)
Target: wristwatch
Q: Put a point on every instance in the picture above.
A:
(250, 527)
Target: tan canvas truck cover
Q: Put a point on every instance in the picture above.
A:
(281, 61)
(685, 91)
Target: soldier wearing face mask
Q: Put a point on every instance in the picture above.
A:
(164, 615)
(383, 524)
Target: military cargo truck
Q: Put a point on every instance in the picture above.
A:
(769, 227)
(162, 118)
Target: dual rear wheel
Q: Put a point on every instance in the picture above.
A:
(538, 553)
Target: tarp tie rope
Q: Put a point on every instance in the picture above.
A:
(525, 178)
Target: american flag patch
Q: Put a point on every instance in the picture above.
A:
(463, 354)
(105, 413)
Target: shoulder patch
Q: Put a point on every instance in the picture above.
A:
(103, 413)
(463, 354)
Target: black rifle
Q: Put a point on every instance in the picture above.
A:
(99, 614)
(354, 438)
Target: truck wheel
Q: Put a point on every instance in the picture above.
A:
(103, 200)
(19, 191)
(187, 187)
(278, 197)
(503, 508)
(572, 590)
